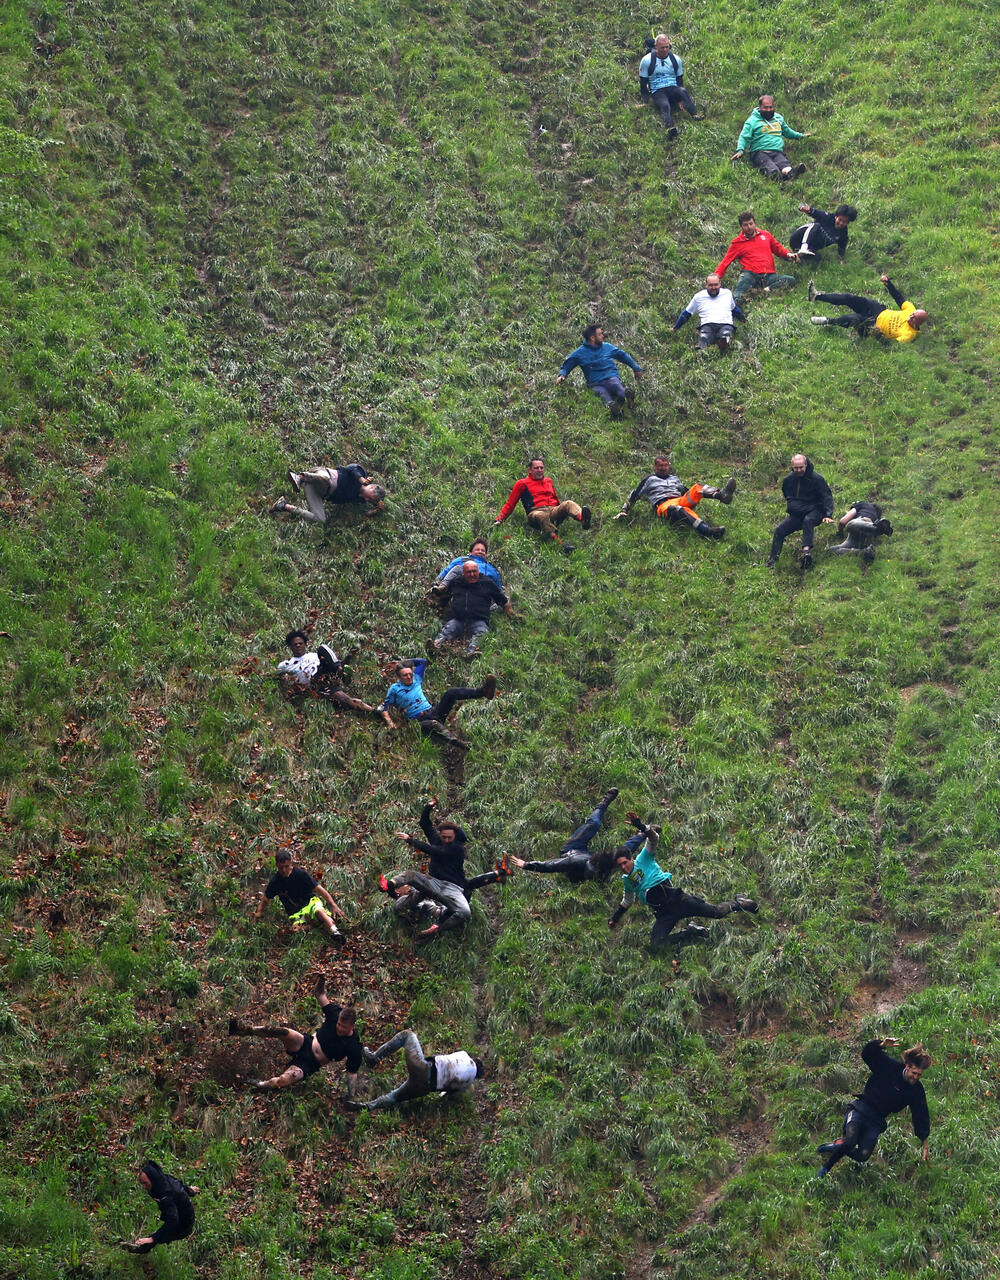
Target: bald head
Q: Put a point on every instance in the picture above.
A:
(916, 318)
(713, 283)
(799, 463)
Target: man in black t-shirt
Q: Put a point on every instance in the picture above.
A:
(301, 897)
(864, 522)
(334, 1040)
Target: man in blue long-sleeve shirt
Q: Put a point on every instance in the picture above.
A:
(597, 359)
(892, 1086)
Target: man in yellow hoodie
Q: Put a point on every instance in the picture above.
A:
(865, 313)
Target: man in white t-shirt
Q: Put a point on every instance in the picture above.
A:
(444, 1073)
(717, 311)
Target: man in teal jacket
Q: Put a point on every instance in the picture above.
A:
(644, 878)
(763, 139)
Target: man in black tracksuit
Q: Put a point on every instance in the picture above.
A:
(892, 1086)
(174, 1200)
(809, 502)
(445, 880)
(470, 600)
(824, 230)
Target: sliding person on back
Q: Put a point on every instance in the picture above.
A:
(867, 316)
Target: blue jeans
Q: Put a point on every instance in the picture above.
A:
(610, 390)
(454, 629)
(585, 832)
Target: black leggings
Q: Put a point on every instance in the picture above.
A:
(671, 905)
(860, 1135)
(442, 708)
(673, 96)
(807, 523)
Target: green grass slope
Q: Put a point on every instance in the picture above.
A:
(238, 236)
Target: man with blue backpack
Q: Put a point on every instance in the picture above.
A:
(661, 84)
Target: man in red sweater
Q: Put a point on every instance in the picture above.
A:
(538, 495)
(754, 250)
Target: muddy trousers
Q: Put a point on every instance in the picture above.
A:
(546, 518)
(420, 1079)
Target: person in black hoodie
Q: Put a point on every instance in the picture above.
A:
(892, 1086)
(445, 880)
(824, 230)
(174, 1200)
(576, 861)
(809, 502)
(470, 600)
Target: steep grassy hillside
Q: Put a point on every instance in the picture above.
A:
(242, 236)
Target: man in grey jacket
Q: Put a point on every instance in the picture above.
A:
(671, 498)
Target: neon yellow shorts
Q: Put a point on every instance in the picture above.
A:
(308, 912)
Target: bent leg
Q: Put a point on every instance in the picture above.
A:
(747, 280)
(585, 832)
(770, 163)
(866, 308)
(787, 526)
(450, 696)
(661, 101)
(567, 508)
(541, 519)
(314, 491)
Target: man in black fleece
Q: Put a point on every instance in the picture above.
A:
(335, 1040)
(892, 1086)
(809, 502)
(824, 230)
(174, 1200)
(445, 880)
(470, 600)
(575, 861)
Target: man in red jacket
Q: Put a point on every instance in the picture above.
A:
(538, 495)
(754, 250)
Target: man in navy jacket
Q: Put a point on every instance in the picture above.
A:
(809, 502)
(892, 1086)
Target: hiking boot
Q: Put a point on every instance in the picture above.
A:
(615, 409)
(811, 291)
(699, 113)
(335, 936)
(433, 726)
(672, 132)
(490, 687)
(797, 171)
(725, 494)
(585, 517)
(568, 548)
(742, 903)
(710, 530)
(630, 397)
(807, 560)
(277, 507)
(371, 1059)
(770, 562)
(295, 480)
(431, 646)
(609, 796)
(319, 986)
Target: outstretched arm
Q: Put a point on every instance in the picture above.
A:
(893, 292)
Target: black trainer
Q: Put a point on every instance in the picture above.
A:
(743, 903)
(585, 517)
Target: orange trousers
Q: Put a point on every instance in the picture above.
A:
(688, 501)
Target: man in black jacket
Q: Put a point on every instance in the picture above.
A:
(334, 1040)
(470, 601)
(173, 1198)
(809, 502)
(892, 1086)
(331, 484)
(445, 847)
(824, 230)
(575, 860)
